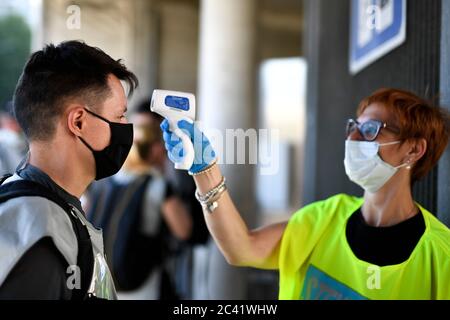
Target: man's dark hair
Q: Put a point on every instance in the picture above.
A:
(70, 70)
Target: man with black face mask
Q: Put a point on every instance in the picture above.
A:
(71, 105)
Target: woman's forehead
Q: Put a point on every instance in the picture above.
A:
(375, 111)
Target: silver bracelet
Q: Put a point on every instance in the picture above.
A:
(213, 203)
(209, 201)
(211, 193)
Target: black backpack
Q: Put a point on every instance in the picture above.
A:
(118, 210)
(85, 257)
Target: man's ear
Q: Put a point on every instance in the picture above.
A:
(76, 116)
(418, 149)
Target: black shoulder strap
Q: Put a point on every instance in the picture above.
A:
(4, 177)
(85, 257)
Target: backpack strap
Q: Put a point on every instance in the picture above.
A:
(4, 177)
(85, 257)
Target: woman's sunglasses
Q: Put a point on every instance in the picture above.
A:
(369, 130)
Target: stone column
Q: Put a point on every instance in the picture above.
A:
(226, 100)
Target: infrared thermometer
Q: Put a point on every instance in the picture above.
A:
(176, 106)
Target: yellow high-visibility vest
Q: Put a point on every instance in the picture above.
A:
(316, 261)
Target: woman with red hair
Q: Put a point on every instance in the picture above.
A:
(382, 246)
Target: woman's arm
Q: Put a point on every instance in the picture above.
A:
(241, 247)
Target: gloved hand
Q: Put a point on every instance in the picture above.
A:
(204, 153)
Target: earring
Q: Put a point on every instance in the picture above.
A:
(408, 167)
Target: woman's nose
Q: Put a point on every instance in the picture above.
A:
(355, 135)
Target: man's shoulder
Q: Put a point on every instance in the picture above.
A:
(26, 220)
(32, 208)
(39, 274)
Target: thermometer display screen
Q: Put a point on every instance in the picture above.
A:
(180, 103)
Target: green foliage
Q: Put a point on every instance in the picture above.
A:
(15, 46)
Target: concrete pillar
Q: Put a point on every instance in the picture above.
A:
(226, 100)
(444, 164)
(146, 48)
(178, 68)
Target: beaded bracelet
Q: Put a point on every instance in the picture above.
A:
(207, 169)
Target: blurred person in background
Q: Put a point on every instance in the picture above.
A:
(382, 246)
(188, 265)
(141, 216)
(13, 146)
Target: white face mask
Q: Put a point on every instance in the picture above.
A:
(364, 166)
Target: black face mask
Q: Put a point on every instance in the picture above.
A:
(109, 160)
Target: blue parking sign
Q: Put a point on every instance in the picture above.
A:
(377, 27)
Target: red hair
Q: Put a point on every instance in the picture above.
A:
(416, 119)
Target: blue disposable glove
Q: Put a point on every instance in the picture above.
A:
(204, 153)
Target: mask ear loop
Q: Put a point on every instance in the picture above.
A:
(99, 117)
(408, 164)
(86, 144)
(388, 143)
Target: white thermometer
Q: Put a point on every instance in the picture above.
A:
(176, 106)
